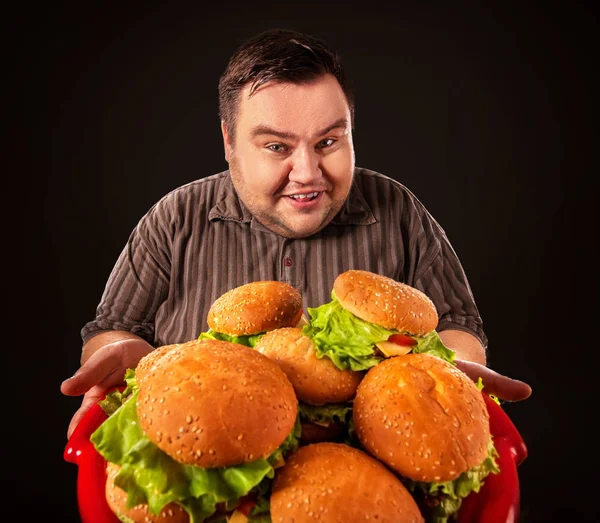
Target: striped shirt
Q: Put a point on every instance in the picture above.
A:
(200, 241)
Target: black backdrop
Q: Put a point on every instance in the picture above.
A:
(482, 112)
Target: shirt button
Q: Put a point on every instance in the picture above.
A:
(288, 262)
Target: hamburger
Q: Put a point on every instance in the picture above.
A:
(427, 421)
(201, 429)
(115, 399)
(371, 317)
(324, 391)
(332, 482)
(245, 313)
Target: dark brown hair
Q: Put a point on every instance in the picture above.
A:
(278, 55)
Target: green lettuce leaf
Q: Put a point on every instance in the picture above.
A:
(113, 400)
(148, 475)
(480, 387)
(261, 512)
(451, 493)
(347, 340)
(248, 341)
(432, 344)
(289, 445)
(350, 342)
(444, 511)
(325, 414)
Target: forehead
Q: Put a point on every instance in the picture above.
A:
(299, 108)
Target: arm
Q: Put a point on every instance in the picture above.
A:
(105, 338)
(124, 324)
(443, 279)
(466, 346)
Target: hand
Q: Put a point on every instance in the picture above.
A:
(498, 385)
(104, 370)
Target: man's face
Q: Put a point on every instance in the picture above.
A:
(292, 158)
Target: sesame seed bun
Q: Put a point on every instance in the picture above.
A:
(214, 404)
(423, 417)
(317, 381)
(117, 501)
(386, 302)
(146, 364)
(335, 483)
(255, 307)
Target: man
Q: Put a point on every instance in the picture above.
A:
(292, 207)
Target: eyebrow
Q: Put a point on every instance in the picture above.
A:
(261, 130)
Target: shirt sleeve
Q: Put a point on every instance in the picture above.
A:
(139, 281)
(443, 279)
(434, 268)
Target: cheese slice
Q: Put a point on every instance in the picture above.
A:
(389, 349)
(237, 517)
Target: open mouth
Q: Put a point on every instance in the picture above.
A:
(304, 197)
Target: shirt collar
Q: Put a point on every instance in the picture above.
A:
(230, 207)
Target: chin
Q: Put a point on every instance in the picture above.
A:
(294, 228)
(301, 231)
(306, 226)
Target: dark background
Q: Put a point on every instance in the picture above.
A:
(483, 112)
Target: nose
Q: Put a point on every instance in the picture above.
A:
(305, 168)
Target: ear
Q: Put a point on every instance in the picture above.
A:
(227, 144)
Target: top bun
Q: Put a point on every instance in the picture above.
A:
(386, 302)
(147, 363)
(255, 307)
(316, 380)
(214, 404)
(117, 501)
(337, 483)
(423, 417)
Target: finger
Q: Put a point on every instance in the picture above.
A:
(503, 387)
(77, 384)
(90, 399)
(507, 389)
(105, 369)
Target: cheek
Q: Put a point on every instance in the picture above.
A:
(261, 174)
(340, 168)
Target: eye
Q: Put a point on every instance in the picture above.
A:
(277, 147)
(327, 142)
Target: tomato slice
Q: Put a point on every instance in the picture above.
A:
(246, 505)
(402, 339)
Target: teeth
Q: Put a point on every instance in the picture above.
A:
(303, 196)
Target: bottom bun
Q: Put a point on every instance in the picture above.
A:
(117, 501)
(332, 482)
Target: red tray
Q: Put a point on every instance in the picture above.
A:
(496, 502)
